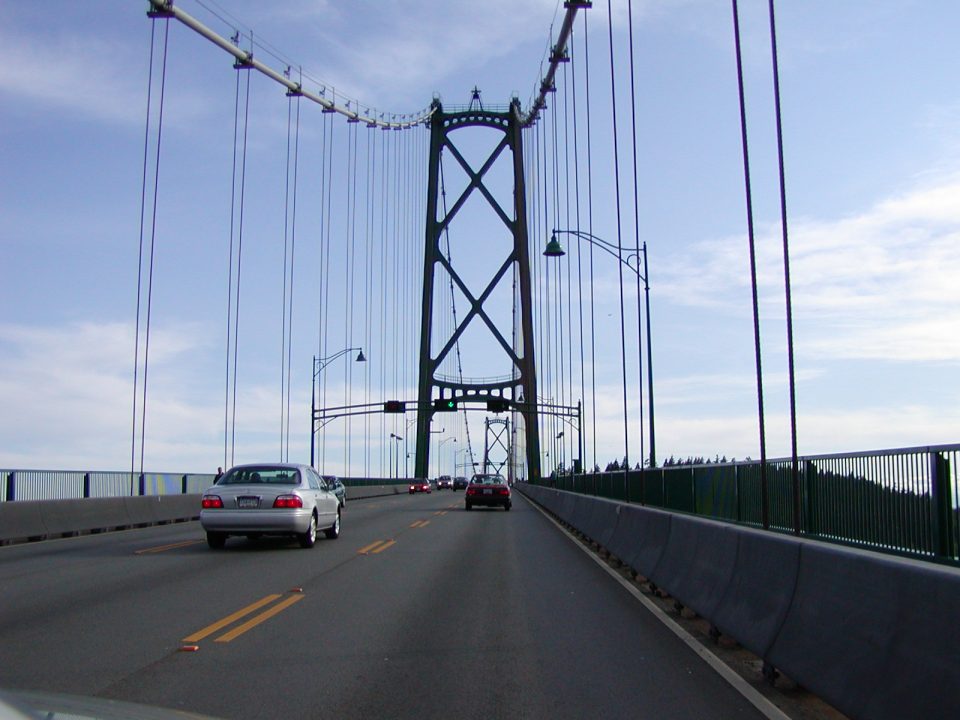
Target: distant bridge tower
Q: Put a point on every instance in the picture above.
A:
(518, 390)
(497, 437)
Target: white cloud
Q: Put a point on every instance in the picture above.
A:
(881, 284)
(87, 75)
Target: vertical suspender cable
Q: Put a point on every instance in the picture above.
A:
(593, 317)
(566, 154)
(326, 201)
(368, 290)
(576, 179)
(795, 470)
(320, 284)
(351, 286)
(765, 510)
(384, 293)
(325, 315)
(233, 203)
(616, 176)
(548, 344)
(236, 300)
(153, 238)
(560, 394)
(283, 299)
(293, 248)
(143, 211)
(636, 224)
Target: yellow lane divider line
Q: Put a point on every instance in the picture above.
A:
(441, 512)
(420, 523)
(383, 547)
(171, 546)
(256, 620)
(211, 629)
(376, 547)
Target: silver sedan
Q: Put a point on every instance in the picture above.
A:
(270, 499)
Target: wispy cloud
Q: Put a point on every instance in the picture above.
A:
(67, 398)
(880, 284)
(87, 75)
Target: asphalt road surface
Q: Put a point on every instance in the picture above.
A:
(418, 610)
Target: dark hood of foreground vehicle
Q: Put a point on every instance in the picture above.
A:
(54, 706)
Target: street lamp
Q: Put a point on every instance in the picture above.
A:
(562, 454)
(396, 475)
(319, 363)
(554, 249)
(440, 445)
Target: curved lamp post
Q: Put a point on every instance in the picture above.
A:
(319, 363)
(395, 466)
(440, 445)
(554, 249)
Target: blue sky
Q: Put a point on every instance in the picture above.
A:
(872, 145)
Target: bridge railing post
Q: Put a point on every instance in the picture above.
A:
(86, 485)
(943, 514)
(11, 486)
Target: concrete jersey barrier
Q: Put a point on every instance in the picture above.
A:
(874, 635)
(42, 519)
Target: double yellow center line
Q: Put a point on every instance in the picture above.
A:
(242, 613)
(376, 547)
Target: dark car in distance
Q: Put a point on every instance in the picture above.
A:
(336, 486)
(460, 483)
(488, 491)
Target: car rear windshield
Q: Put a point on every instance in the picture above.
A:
(487, 480)
(261, 475)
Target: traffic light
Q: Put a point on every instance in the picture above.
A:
(444, 404)
(498, 405)
(394, 406)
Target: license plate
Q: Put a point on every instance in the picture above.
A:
(246, 503)
(487, 491)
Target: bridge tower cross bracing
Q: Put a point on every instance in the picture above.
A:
(497, 436)
(520, 389)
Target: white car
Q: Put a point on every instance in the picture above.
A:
(270, 499)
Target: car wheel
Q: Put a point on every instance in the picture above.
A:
(216, 540)
(469, 506)
(507, 506)
(308, 538)
(333, 532)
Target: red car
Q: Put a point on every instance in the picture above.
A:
(489, 491)
(420, 486)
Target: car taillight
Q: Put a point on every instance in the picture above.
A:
(288, 501)
(503, 491)
(471, 491)
(211, 501)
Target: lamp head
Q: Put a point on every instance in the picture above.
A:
(360, 356)
(554, 248)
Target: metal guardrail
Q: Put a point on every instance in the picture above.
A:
(77, 484)
(904, 501)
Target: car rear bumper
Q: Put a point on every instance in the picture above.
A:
(263, 521)
(488, 500)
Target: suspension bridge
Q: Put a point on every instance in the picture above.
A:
(467, 288)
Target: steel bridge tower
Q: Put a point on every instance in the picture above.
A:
(519, 391)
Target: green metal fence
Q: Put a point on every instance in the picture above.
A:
(904, 501)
